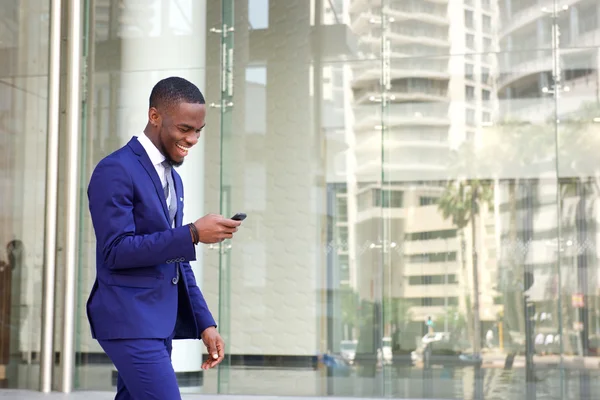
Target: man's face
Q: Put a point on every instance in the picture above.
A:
(179, 129)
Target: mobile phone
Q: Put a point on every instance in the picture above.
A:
(239, 217)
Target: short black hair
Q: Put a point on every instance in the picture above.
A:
(174, 90)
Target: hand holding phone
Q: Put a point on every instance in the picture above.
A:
(214, 228)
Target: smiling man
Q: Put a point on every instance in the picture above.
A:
(145, 293)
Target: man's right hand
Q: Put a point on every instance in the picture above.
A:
(215, 228)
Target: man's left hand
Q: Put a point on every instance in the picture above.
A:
(215, 346)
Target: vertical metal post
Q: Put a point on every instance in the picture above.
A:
(72, 182)
(47, 351)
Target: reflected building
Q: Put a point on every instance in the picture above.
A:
(349, 125)
(549, 72)
(426, 104)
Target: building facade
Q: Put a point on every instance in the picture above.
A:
(420, 180)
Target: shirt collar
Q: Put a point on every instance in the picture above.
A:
(156, 157)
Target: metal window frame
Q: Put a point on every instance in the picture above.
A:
(72, 135)
(47, 339)
(73, 79)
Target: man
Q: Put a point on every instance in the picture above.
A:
(145, 293)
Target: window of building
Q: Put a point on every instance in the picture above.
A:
(427, 200)
(470, 116)
(388, 198)
(588, 19)
(470, 41)
(432, 279)
(486, 23)
(432, 257)
(342, 208)
(487, 44)
(486, 117)
(486, 95)
(431, 235)
(469, 72)
(435, 301)
(469, 92)
(485, 74)
(341, 235)
(469, 20)
(571, 74)
(258, 14)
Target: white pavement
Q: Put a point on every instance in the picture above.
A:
(81, 395)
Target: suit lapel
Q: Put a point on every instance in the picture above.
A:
(179, 198)
(147, 164)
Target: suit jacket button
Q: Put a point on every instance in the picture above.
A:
(175, 280)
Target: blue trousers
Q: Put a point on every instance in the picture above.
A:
(144, 368)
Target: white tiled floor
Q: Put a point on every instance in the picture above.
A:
(25, 395)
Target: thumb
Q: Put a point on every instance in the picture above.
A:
(212, 350)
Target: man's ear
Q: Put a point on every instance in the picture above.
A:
(154, 116)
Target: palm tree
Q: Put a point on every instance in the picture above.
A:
(513, 147)
(578, 141)
(461, 202)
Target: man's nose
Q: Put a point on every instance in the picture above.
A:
(191, 141)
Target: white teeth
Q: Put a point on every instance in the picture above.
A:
(183, 148)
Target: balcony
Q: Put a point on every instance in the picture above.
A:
(431, 246)
(420, 34)
(516, 65)
(531, 15)
(403, 68)
(414, 114)
(403, 94)
(372, 143)
(421, 11)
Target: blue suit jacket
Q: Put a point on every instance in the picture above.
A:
(138, 253)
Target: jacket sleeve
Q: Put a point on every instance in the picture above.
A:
(110, 195)
(204, 318)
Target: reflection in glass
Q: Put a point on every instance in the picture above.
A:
(23, 103)
(421, 184)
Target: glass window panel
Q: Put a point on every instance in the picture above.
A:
(24, 31)
(412, 210)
